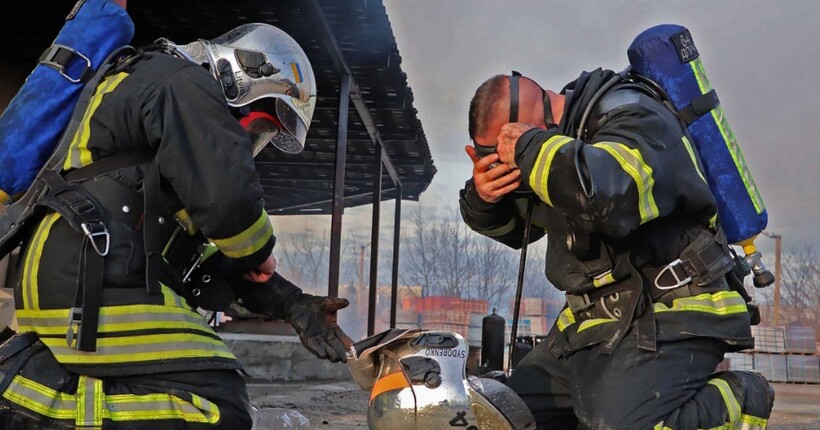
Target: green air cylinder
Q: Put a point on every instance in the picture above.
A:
(492, 343)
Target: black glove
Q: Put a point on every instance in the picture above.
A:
(314, 319)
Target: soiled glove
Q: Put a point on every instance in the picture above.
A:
(314, 319)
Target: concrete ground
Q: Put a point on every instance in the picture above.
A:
(343, 405)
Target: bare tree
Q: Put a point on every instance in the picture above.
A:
(800, 289)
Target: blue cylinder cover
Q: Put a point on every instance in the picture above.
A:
(32, 124)
(667, 55)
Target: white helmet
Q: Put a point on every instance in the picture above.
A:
(264, 70)
(417, 380)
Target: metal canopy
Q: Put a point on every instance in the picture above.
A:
(364, 47)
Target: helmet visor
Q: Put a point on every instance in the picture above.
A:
(262, 128)
(292, 140)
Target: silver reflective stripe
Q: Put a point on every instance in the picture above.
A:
(89, 402)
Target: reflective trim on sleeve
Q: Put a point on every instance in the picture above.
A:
(31, 268)
(729, 138)
(720, 303)
(249, 241)
(541, 169)
(632, 163)
(78, 152)
(89, 406)
(565, 319)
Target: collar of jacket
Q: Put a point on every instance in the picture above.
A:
(579, 93)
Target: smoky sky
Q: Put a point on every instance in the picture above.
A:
(761, 57)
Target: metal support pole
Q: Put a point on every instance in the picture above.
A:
(777, 274)
(338, 188)
(394, 283)
(374, 242)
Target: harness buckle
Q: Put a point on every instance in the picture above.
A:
(679, 282)
(75, 316)
(49, 59)
(93, 230)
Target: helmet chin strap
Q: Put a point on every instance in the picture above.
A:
(514, 96)
(514, 101)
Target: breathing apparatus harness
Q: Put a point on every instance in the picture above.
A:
(89, 213)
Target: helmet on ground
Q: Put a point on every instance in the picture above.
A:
(417, 380)
(266, 73)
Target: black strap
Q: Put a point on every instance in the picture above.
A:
(58, 57)
(104, 166)
(87, 301)
(514, 96)
(519, 287)
(700, 106)
(25, 344)
(151, 228)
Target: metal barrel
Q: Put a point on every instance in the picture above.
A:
(492, 342)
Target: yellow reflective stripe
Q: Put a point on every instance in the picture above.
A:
(41, 399)
(31, 269)
(4, 197)
(171, 298)
(198, 341)
(185, 221)
(78, 153)
(161, 406)
(732, 405)
(173, 349)
(89, 406)
(751, 422)
(720, 303)
(249, 241)
(691, 151)
(541, 169)
(604, 280)
(565, 319)
(115, 318)
(729, 138)
(89, 402)
(632, 163)
(594, 322)
(504, 229)
(660, 426)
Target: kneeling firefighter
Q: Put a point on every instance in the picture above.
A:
(108, 338)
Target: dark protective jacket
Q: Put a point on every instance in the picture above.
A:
(174, 110)
(626, 200)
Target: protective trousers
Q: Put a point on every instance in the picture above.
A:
(41, 394)
(674, 388)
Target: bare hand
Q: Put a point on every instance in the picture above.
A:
(507, 139)
(262, 273)
(492, 182)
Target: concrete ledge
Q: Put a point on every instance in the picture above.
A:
(281, 358)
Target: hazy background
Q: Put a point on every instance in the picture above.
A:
(761, 57)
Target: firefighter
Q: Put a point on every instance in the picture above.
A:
(108, 338)
(633, 242)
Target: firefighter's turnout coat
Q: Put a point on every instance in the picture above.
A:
(175, 111)
(616, 207)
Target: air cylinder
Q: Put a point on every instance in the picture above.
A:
(492, 343)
